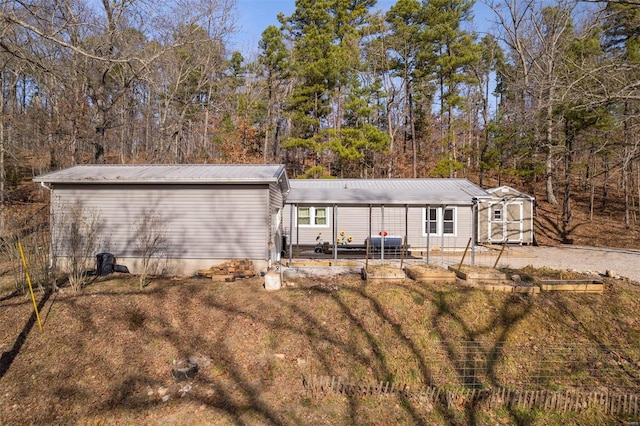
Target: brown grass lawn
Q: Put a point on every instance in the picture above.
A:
(105, 355)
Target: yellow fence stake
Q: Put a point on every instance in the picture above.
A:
(33, 297)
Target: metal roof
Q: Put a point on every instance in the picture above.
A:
(354, 192)
(168, 174)
(357, 192)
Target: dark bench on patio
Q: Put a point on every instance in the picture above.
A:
(392, 245)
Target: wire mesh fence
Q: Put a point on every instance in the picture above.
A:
(568, 365)
(564, 377)
(447, 251)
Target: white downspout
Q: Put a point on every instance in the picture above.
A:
(474, 228)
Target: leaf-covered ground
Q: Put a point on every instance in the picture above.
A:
(105, 355)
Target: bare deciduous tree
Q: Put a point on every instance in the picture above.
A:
(35, 240)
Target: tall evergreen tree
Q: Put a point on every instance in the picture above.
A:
(405, 43)
(490, 58)
(326, 61)
(274, 64)
(454, 52)
(622, 44)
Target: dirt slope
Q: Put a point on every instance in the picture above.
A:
(105, 355)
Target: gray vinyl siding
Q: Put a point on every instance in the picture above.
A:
(201, 221)
(354, 221)
(276, 199)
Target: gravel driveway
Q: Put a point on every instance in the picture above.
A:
(623, 262)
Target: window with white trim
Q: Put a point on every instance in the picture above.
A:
(439, 221)
(448, 221)
(313, 216)
(497, 213)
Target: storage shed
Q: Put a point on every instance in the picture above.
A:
(423, 214)
(506, 217)
(207, 214)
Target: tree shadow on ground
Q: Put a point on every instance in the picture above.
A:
(9, 356)
(11, 295)
(332, 327)
(555, 231)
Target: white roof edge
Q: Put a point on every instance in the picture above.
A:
(520, 193)
(377, 203)
(158, 180)
(67, 175)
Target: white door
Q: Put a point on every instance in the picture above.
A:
(514, 223)
(505, 222)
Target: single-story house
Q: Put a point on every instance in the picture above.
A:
(422, 214)
(209, 214)
(206, 214)
(506, 217)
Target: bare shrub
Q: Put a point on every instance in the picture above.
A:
(33, 235)
(151, 241)
(11, 259)
(75, 237)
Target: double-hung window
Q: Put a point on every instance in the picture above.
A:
(439, 221)
(313, 216)
(448, 221)
(431, 223)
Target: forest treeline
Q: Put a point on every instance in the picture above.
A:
(550, 93)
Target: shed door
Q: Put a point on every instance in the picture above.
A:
(514, 222)
(496, 222)
(505, 222)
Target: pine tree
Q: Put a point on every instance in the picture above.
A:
(622, 44)
(454, 51)
(405, 43)
(274, 64)
(328, 130)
